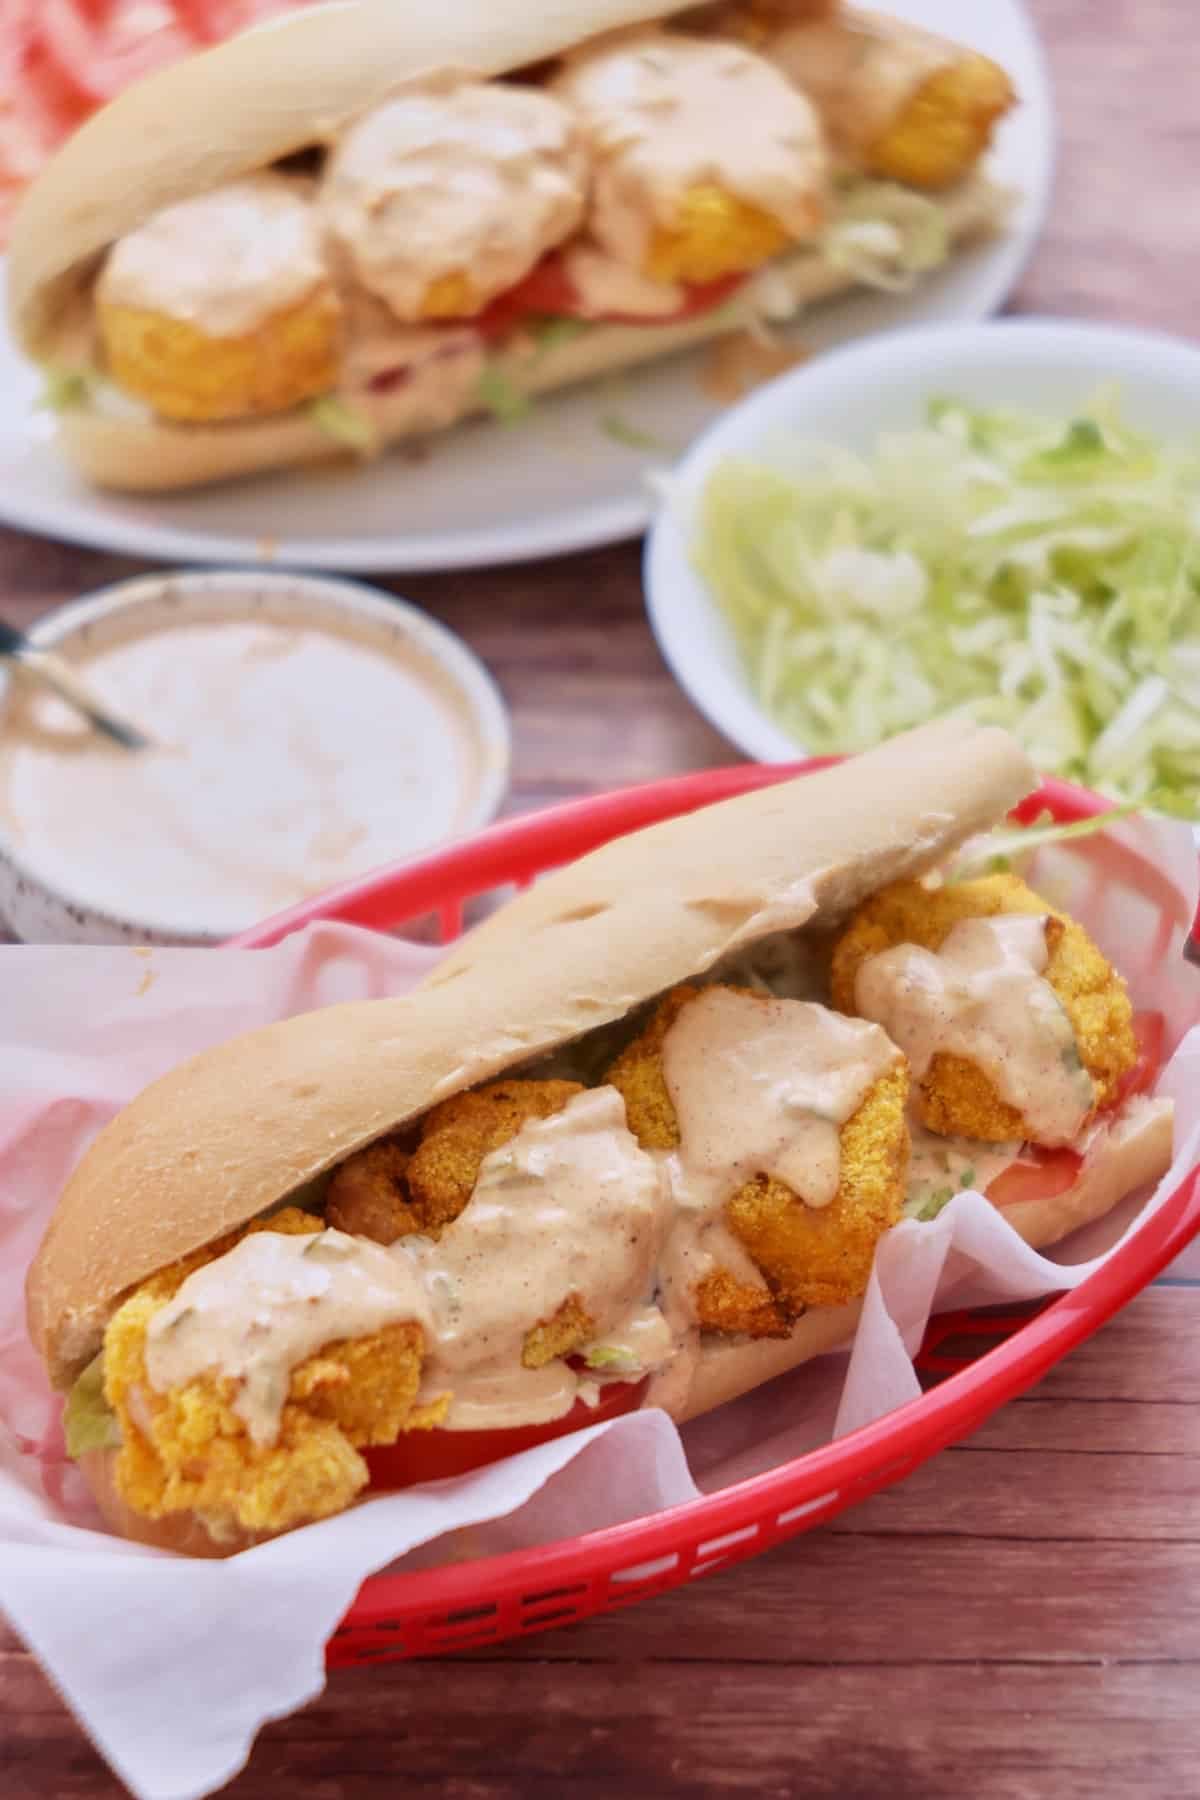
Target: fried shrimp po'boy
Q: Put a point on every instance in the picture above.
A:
(634, 1142)
(367, 222)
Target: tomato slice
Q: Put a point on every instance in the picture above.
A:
(548, 292)
(436, 1455)
(1039, 1175)
(1150, 1030)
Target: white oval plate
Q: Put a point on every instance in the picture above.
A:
(489, 493)
(848, 398)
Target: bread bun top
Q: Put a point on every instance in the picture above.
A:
(282, 88)
(228, 1134)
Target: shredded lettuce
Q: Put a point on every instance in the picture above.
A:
(608, 1357)
(502, 398)
(926, 1207)
(550, 333)
(88, 1420)
(623, 431)
(65, 390)
(343, 422)
(887, 236)
(1037, 573)
(999, 849)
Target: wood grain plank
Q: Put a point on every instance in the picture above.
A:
(834, 1597)
(1128, 144)
(1145, 1355)
(995, 1730)
(1034, 1494)
(1099, 1427)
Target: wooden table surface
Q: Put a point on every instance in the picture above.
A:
(1019, 1620)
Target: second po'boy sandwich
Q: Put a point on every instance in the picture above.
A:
(365, 222)
(632, 1143)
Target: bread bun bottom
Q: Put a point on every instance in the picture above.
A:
(1135, 1151)
(143, 455)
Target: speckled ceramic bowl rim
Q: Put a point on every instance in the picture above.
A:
(483, 705)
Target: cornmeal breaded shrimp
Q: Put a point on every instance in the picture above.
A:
(367, 1195)
(808, 1256)
(897, 102)
(387, 1192)
(707, 162)
(448, 194)
(189, 1450)
(221, 307)
(458, 1134)
(956, 1097)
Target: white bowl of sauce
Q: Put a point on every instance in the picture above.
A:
(304, 732)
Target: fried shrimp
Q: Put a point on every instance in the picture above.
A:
(387, 1192)
(707, 162)
(752, 21)
(184, 373)
(955, 1097)
(897, 102)
(221, 307)
(808, 1256)
(447, 195)
(367, 1196)
(188, 1449)
(458, 1134)
(939, 136)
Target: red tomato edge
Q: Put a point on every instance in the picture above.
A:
(547, 292)
(1041, 1174)
(418, 1456)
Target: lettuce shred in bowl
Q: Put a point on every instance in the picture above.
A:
(1041, 574)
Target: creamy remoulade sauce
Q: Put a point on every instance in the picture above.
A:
(286, 757)
(758, 1086)
(763, 1086)
(572, 1205)
(224, 262)
(667, 114)
(571, 1208)
(467, 181)
(982, 997)
(605, 287)
(940, 1167)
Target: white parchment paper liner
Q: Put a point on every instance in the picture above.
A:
(173, 1665)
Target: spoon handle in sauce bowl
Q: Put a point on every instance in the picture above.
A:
(42, 666)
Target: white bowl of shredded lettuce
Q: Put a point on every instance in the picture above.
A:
(999, 519)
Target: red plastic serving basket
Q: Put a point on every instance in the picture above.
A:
(970, 1363)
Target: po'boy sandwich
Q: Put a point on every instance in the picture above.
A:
(632, 1143)
(366, 222)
